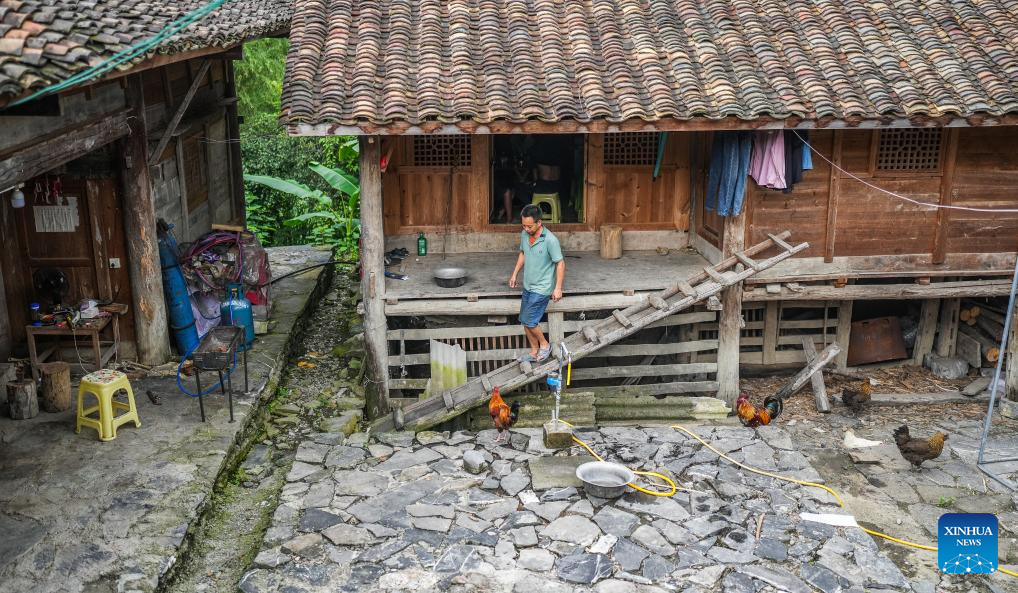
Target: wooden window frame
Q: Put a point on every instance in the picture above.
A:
(875, 171)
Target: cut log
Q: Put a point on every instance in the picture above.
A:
(947, 332)
(969, 350)
(611, 241)
(817, 378)
(56, 386)
(22, 402)
(806, 373)
(990, 327)
(990, 349)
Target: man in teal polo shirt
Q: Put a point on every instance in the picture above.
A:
(544, 270)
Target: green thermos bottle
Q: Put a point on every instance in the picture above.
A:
(422, 244)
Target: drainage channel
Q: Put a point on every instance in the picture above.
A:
(318, 392)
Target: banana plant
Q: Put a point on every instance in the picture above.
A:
(334, 220)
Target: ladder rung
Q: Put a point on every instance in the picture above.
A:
(625, 321)
(658, 302)
(714, 275)
(686, 288)
(746, 260)
(486, 384)
(590, 334)
(526, 367)
(447, 400)
(780, 242)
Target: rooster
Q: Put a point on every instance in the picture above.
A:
(502, 414)
(752, 416)
(855, 399)
(916, 451)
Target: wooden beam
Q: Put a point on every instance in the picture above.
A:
(806, 373)
(927, 330)
(834, 187)
(946, 197)
(730, 321)
(181, 110)
(817, 379)
(238, 202)
(646, 370)
(968, 288)
(947, 331)
(45, 156)
(373, 278)
(151, 330)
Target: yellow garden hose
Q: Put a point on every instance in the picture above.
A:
(670, 490)
(815, 485)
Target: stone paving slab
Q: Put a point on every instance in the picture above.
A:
(450, 530)
(78, 514)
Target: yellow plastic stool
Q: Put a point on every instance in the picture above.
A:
(553, 203)
(104, 384)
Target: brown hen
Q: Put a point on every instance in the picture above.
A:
(916, 451)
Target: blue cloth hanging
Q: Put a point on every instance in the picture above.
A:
(807, 152)
(726, 181)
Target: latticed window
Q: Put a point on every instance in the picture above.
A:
(442, 151)
(909, 150)
(632, 148)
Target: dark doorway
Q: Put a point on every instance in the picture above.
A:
(546, 169)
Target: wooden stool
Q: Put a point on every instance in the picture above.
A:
(104, 384)
(552, 201)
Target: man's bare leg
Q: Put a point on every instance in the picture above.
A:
(532, 339)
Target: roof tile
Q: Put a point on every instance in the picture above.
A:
(409, 62)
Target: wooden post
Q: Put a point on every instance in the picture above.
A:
(833, 190)
(1011, 363)
(556, 331)
(927, 329)
(233, 136)
(611, 241)
(843, 334)
(151, 329)
(22, 402)
(770, 332)
(56, 386)
(819, 389)
(373, 275)
(947, 332)
(730, 322)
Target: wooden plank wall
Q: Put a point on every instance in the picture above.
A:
(417, 198)
(841, 216)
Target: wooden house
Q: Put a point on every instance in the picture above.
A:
(908, 109)
(155, 138)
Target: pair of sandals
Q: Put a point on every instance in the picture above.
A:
(542, 355)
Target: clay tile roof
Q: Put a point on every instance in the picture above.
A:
(45, 41)
(402, 63)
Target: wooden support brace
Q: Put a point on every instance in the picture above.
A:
(658, 302)
(625, 321)
(804, 375)
(590, 334)
(179, 114)
(817, 378)
(686, 288)
(780, 242)
(746, 260)
(715, 275)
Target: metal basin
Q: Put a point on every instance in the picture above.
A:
(603, 479)
(449, 277)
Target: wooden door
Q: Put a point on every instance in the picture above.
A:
(709, 225)
(77, 235)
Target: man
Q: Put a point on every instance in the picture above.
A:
(544, 270)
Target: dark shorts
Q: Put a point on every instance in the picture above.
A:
(532, 308)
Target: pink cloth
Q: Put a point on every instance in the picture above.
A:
(767, 165)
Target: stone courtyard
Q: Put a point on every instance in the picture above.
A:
(457, 512)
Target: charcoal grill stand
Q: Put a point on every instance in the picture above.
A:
(207, 359)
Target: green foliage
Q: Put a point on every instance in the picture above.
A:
(328, 220)
(301, 211)
(946, 502)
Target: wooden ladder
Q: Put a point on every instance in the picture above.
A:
(426, 413)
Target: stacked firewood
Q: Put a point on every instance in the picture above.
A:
(983, 323)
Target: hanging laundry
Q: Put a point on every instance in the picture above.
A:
(729, 165)
(793, 160)
(768, 163)
(807, 152)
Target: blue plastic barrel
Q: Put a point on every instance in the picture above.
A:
(178, 303)
(236, 310)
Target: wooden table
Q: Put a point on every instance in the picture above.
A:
(102, 350)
